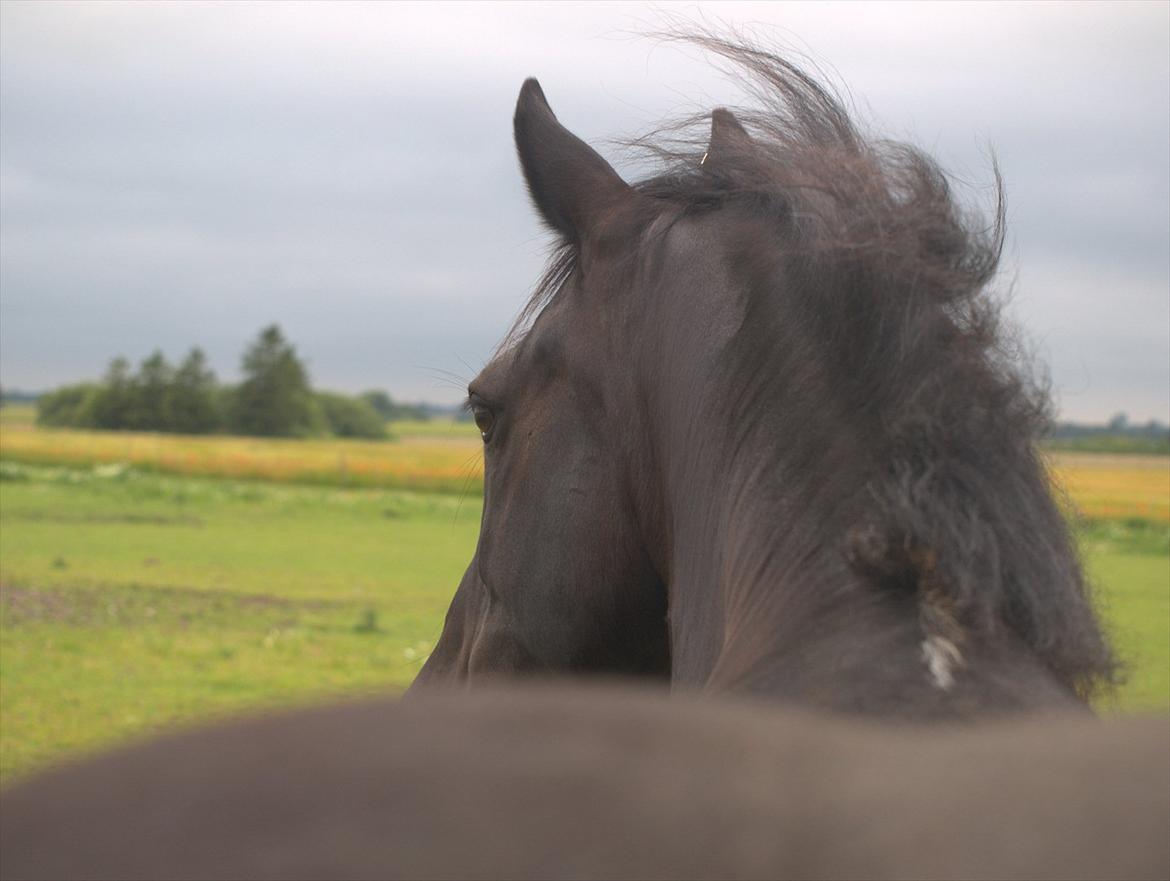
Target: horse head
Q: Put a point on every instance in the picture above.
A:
(759, 429)
(563, 579)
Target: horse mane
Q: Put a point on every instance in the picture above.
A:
(957, 504)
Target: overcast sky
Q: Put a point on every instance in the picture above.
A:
(181, 174)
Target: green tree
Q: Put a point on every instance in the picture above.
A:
(150, 394)
(274, 399)
(381, 403)
(351, 417)
(193, 399)
(391, 410)
(114, 402)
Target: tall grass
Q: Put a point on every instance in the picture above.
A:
(446, 457)
(1103, 486)
(445, 463)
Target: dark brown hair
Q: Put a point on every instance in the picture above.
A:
(894, 281)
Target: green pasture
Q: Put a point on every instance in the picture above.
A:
(131, 601)
(1129, 562)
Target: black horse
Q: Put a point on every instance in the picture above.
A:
(760, 430)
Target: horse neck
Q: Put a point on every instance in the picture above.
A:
(763, 600)
(747, 564)
(761, 595)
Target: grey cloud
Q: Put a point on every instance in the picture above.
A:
(175, 175)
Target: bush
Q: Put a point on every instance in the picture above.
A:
(390, 410)
(71, 406)
(350, 417)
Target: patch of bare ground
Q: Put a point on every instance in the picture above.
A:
(123, 518)
(90, 606)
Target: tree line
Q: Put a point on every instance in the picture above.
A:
(274, 398)
(1118, 435)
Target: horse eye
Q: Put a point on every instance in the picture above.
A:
(483, 421)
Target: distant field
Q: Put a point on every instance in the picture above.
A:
(1107, 486)
(18, 414)
(429, 456)
(1114, 443)
(446, 456)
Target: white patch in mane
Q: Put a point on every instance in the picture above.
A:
(941, 657)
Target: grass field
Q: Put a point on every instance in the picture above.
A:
(130, 600)
(138, 596)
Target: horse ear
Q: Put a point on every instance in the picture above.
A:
(569, 182)
(728, 138)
